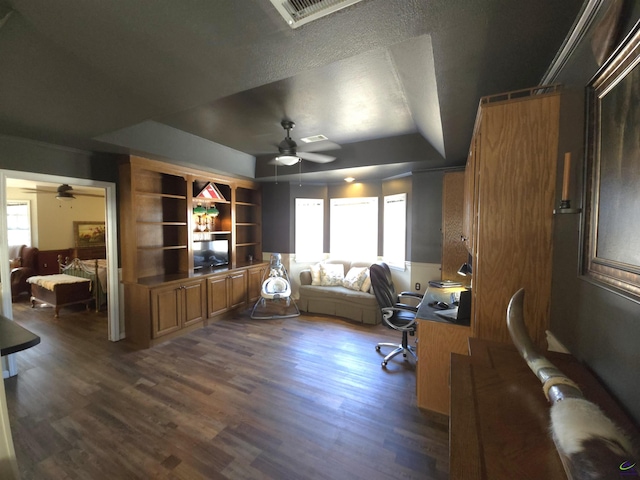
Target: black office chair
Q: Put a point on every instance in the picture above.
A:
(396, 315)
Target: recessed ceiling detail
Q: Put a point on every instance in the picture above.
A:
(299, 12)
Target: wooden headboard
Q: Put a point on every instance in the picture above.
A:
(89, 253)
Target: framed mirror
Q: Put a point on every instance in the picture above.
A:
(611, 250)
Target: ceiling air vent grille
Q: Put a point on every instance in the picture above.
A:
(299, 12)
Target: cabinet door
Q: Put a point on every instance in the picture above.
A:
(436, 342)
(254, 281)
(237, 289)
(194, 295)
(166, 310)
(217, 294)
(469, 210)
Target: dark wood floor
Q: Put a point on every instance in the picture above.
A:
(299, 398)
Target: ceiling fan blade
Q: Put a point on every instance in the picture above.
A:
(316, 157)
(78, 194)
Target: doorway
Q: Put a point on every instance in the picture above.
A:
(83, 187)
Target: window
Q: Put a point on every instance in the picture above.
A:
(18, 223)
(354, 228)
(395, 229)
(309, 229)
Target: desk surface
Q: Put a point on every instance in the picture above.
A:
(425, 312)
(499, 427)
(14, 338)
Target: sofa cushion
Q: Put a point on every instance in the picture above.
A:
(355, 277)
(315, 274)
(331, 274)
(337, 293)
(366, 284)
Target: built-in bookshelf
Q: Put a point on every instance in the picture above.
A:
(171, 218)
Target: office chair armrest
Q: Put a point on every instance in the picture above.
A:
(411, 294)
(404, 307)
(387, 313)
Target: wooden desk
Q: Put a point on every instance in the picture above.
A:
(437, 339)
(499, 423)
(14, 338)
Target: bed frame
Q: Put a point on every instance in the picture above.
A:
(78, 268)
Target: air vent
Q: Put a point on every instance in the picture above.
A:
(315, 138)
(299, 12)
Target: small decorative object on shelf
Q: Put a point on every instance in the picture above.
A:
(565, 203)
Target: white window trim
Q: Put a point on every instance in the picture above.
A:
(391, 224)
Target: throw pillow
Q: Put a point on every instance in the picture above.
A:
(366, 284)
(331, 274)
(354, 279)
(315, 274)
(15, 263)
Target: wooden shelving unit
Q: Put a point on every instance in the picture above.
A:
(164, 295)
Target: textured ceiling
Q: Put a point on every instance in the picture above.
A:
(395, 83)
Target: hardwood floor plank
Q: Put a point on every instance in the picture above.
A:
(298, 398)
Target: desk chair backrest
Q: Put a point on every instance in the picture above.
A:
(382, 284)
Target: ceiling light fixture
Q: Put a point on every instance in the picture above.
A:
(288, 160)
(349, 179)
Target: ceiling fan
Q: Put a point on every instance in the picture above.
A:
(63, 192)
(290, 154)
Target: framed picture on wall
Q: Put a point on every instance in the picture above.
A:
(89, 234)
(611, 249)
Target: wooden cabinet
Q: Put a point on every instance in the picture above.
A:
(255, 277)
(435, 342)
(176, 306)
(469, 207)
(509, 199)
(226, 291)
(164, 220)
(454, 253)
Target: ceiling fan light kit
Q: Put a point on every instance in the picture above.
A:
(288, 160)
(288, 149)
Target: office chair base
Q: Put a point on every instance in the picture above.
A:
(400, 349)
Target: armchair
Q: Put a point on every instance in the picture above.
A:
(395, 315)
(24, 264)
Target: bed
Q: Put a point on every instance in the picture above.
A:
(94, 269)
(60, 290)
(80, 280)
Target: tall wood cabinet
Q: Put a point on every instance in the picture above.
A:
(168, 289)
(510, 181)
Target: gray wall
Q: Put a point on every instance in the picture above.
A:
(26, 156)
(598, 326)
(424, 212)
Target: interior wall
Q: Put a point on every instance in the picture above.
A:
(52, 220)
(26, 156)
(426, 218)
(424, 189)
(598, 326)
(55, 219)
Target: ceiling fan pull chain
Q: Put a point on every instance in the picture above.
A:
(300, 172)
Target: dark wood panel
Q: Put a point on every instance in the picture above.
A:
(48, 261)
(301, 398)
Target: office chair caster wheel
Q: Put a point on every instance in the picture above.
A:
(377, 348)
(384, 364)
